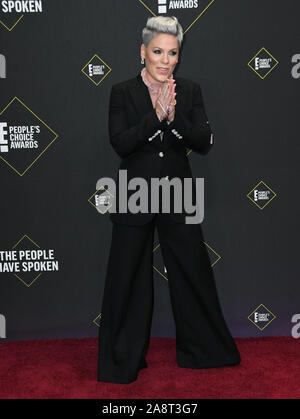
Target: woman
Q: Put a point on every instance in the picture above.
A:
(151, 131)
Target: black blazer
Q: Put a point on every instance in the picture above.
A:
(134, 133)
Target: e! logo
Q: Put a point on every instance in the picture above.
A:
(3, 140)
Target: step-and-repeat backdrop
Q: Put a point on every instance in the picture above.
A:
(58, 61)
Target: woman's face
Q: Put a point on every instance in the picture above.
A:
(162, 53)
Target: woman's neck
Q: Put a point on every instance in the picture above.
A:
(151, 79)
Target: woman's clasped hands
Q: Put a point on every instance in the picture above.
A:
(165, 103)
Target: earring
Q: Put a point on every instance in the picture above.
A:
(142, 61)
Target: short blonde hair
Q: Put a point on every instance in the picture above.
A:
(162, 24)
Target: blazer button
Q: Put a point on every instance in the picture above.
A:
(161, 154)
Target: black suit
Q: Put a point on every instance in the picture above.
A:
(134, 134)
(202, 337)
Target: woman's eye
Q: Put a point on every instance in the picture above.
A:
(172, 52)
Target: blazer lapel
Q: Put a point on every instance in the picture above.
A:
(140, 96)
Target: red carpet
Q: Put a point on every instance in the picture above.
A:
(56, 369)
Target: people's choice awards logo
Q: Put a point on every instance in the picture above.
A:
(261, 317)
(101, 199)
(262, 63)
(24, 137)
(187, 11)
(96, 69)
(261, 195)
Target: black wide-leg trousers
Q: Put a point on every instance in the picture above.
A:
(202, 337)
